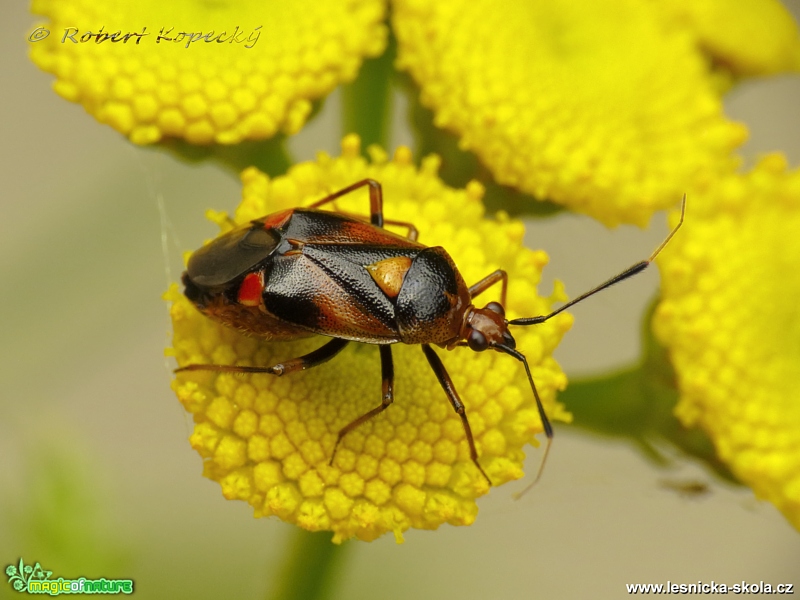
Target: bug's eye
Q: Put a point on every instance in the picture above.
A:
(496, 307)
(230, 255)
(477, 341)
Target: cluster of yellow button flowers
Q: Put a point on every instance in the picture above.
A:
(729, 315)
(205, 72)
(268, 440)
(608, 108)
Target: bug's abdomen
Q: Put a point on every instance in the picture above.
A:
(430, 306)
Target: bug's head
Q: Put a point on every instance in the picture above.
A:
(217, 272)
(487, 328)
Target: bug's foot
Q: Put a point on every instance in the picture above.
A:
(278, 369)
(480, 468)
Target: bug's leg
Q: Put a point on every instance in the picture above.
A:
(375, 199)
(488, 281)
(387, 397)
(452, 395)
(412, 233)
(312, 359)
(629, 272)
(375, 206)
(546, 425)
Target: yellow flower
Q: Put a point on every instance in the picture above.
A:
(205, 72)
(746, 36)
(268, 440)
(730, 318)
(601, 106)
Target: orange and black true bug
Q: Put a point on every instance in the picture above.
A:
(307, 271)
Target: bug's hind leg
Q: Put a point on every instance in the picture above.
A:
(375, 206)
(452, 395)
(412, 233)
(312, 359)
(375, 199)
(387, 397)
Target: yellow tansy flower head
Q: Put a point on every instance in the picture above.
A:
(205, 72)
(729, 316)
(599, 106)
(748, 37)
(268, 440)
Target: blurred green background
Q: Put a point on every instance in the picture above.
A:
(97, 477)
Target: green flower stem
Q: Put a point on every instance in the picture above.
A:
(367, 102)
(310, 568)
(516, 203)
(458, 166)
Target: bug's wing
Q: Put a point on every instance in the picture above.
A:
(328, 290)
(319, 280)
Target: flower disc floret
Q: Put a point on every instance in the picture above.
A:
(205, 72)
(268, 440)
(729, 318)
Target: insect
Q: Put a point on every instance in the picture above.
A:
(308, 271)
(686, 488)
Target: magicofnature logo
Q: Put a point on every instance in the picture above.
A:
(35, 580)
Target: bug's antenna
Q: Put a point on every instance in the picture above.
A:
(548, 428)
(629, 272)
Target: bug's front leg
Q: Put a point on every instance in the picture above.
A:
(307, 361)
(387, 397)
(488, 281)
(447, 384)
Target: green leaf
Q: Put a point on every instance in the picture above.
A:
(637, 403)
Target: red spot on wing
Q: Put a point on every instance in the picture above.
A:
(278, 219)
(251, 288)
